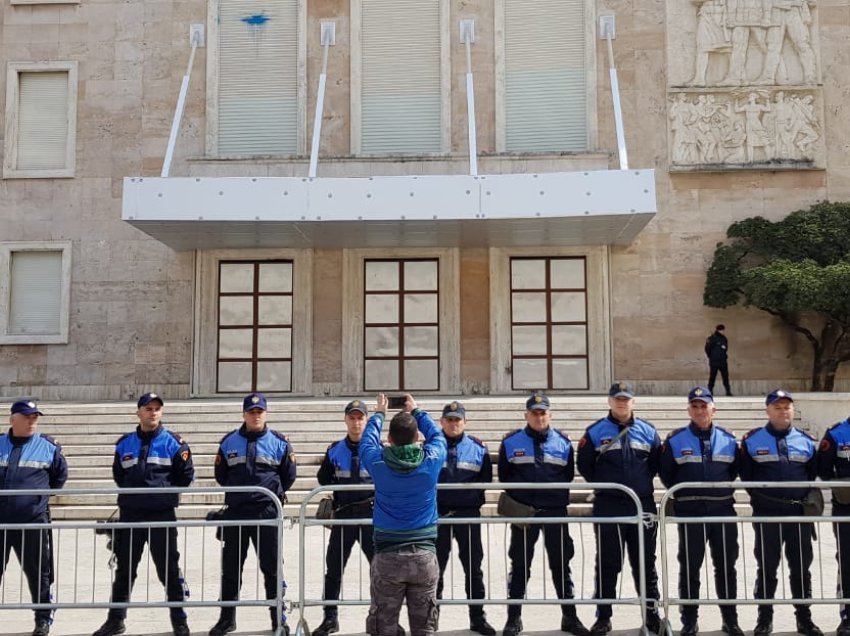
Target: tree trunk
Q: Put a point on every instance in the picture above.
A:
(823, 374)
(828, 356)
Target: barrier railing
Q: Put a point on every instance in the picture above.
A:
(82, 578)
(495, 564)
(824, 569)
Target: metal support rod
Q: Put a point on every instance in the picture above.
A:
(320, 107)
(178, 112)
(470, 102)
(615, 97)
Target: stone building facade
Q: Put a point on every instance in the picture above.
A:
(224, 276)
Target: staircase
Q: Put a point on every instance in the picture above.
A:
(88, 431)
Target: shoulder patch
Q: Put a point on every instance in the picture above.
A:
(825, 445)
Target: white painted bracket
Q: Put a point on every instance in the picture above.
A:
(467, 31)
(196, 34)
(606, 26)
(328, 33)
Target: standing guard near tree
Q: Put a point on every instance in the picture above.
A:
(717, 350)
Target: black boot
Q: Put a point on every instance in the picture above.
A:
(513, 626)
(328, 626)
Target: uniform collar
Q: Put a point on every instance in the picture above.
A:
(628, 422)
(540, 436)
(454, 441)
(20, 441)
(243, 431)
(148, 436)
(702, 434)
(351, 443)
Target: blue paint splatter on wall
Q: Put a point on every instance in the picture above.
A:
(256, 20)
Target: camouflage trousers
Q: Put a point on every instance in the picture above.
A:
(407, 574)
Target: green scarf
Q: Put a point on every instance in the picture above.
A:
(404, 459)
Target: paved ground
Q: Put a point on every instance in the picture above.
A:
(85, 576)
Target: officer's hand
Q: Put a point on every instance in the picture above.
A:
(382, 403)
(409, 403)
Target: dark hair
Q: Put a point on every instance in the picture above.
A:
(403, 429)
(720, 327)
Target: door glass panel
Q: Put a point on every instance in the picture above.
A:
(401, 323)
(381, 275)
(529, 341)
(234, 376)
(568, 306)
(272, 375)
(420, 275)
(540, 338)
(236, 310)
(420, 341)
(236, 278)
(382, 375)
(235, 343)
(382, 308)
(528, 274)
(275, 310)
(529, 374)
(276, 277)
(422, 373)
(567, 273)
(273, 343)
(569, 340)
(569, 373)
(529, 307)
(381, 341)
(420, 307)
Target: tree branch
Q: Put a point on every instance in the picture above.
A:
(799, 329)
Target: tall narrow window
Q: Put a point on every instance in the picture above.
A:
(545, 93)
(40, 120)
(35, 284)
(255, 326)
(549, 323)
(401, 77)
(402, 334)
(258, 77)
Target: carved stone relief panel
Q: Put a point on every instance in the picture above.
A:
(747, 128)
(742, 43)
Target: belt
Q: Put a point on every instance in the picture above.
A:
(781, 500)
(408, 549)
(702, 498)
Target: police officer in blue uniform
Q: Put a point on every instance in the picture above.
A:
(623, 449)
(341, 465)
(149, 457)
(252, 455)
(778, 451)
(29, 460)
(704, 452)
(540, 453)
(834, 464)
(467, 461)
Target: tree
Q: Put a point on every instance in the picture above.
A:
(797, 269)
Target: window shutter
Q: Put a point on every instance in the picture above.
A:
(545, 83)
(36, 294)
(42, 120)
(258, 77)
(401, 83)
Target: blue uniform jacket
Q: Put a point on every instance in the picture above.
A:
(526, 455)
(834, 457)
(631, 460)
(771, 455)
(341, 465)
(467, 461)
(691, 454)
(254, 459)
(404, 501)
(156, 459)
(25, 463)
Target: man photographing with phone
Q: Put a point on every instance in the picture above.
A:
(405, 474)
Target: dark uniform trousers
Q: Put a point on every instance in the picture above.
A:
(129, 544)
(610, 539)
(797, 538)
(470, 553)
(235, 541)
(32, 548)
(842, 535)
(340, 544)
(559, 550)
(722, 540)
(723, 368)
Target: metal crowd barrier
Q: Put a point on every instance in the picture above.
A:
(825, 573)
(87, 582)
(495, 539)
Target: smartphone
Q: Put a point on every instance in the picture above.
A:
(396, 402)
